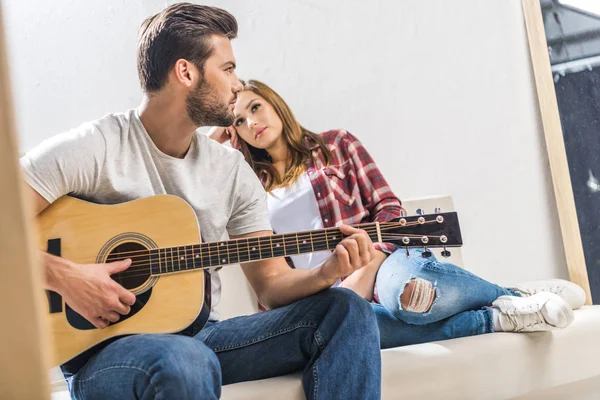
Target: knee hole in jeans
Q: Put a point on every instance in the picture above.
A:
(418, 295)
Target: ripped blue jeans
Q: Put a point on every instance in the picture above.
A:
(455, 303)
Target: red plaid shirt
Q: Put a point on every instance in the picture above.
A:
(351, 189)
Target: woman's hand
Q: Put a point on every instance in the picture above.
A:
(223, 134)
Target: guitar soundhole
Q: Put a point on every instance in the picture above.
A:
(139, 271)
(134, 276)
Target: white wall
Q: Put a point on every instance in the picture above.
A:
(439, 91)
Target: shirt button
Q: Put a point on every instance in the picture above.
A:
(326, 220)
(319, 194)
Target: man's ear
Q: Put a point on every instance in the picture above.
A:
(185, 73)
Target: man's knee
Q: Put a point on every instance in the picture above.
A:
(353, 306)
(418, 296)
(186, 365)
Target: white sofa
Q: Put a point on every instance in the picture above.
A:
(544, 365)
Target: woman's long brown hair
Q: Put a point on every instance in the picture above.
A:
(294, 135)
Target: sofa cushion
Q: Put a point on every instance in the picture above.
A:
(492, 366)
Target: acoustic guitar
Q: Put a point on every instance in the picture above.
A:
(161, 235)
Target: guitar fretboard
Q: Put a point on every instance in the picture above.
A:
(214, 254)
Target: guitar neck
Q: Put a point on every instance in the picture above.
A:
(215, 254)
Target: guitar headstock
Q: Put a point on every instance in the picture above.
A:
(424, 230)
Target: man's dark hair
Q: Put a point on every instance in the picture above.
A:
(182, 30)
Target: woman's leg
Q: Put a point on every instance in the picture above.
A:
(421, 290)
(394, 332)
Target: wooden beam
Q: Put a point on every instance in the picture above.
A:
(557, 155)
(23, 360)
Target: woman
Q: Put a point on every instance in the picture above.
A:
(320, 181)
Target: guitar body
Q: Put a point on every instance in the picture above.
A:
(88, 233)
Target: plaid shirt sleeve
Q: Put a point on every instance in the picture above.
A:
(376, 194)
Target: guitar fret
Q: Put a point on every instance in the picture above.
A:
(231, 253)
(167, 259)
(194, 260)
(199, 257)
(224, 261)
(253, 249)
(305, 244)
(205, 255)
(278, 247)
(248, 249)
(319, 244)
(182, 258)
(153, 258)
(334, 237)
(215, 254)
(175, 259)
(289, 244)
(171, 260)
(265, 251)
(189, 257)
(208, 264)
(243, 251)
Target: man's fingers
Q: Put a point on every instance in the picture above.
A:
(118, 266)
(112, 316)
(348, 230)
(342, 255)
(125, 296)
(99, 322)
(364, 245)
(122, 308)
(351, 245)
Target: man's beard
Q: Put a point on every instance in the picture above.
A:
(205, 108)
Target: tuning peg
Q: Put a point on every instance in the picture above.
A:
(420, 211)
(437, 210)
(402, 213)
(426, 253)
(407, 253)
(446, 253)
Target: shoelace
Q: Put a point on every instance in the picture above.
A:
(524, 321)
(557, 290)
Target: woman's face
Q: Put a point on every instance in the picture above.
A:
(255, 121)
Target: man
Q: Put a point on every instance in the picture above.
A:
(187, 71)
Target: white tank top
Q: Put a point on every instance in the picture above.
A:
(294, 208)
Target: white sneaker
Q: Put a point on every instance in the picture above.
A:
(539, 312)
(568, 291)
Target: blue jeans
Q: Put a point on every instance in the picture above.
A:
(460, 307)
(332, 337)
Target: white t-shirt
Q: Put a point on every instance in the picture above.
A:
(294, 208)
(114, 160)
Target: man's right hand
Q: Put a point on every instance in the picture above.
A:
(90, 291)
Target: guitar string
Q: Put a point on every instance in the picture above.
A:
(372, 229)
(146, 268)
